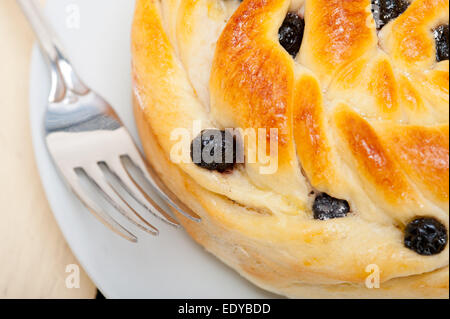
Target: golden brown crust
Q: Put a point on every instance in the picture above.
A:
(313, 147)
(346, 33)
(424, 154)
(252, 75)
(373, 159)
(356, 119)
(411, 41)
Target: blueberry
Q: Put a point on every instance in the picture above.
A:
(214, 150)
(426, 236)
(290, 33)
(387, 10)
(441, 35)
(327, 207)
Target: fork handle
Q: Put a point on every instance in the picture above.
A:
(62, 73)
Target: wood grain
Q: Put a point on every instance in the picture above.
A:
(33, 252)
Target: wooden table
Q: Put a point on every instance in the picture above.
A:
(33, 252)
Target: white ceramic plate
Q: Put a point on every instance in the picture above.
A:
(168, 266)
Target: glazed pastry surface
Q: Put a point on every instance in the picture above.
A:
(361, 112)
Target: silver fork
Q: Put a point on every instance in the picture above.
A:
(94, 151)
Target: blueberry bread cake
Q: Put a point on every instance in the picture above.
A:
(357, 91)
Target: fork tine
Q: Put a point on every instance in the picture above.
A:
(145, 175)
(117, 171)
(97, 177)
(74, 183)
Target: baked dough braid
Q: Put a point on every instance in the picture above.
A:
(362, 115)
